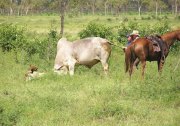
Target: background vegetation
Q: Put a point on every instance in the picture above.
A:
(81, 7)
(89, 97)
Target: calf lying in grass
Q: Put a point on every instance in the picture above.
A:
(33, 73)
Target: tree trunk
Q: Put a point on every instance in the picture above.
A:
(27, 10)
(172, 8)
(176, 8)
(160, 11)
(10, 11)
(111, 8)
(156, 8)
(93, 9)
(139, 9)
(18, 11)
(105, 8)
(62, 17)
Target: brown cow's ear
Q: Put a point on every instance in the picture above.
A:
(33, 68)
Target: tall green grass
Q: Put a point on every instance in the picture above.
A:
(89, 97)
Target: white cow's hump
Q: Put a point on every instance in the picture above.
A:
(63, 39)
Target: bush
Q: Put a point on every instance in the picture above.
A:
(125, 19)
(177, 17)
(45, 47)
(98, 30)
(14, 38)
(144, 30)
(11, 37)
(146, 18)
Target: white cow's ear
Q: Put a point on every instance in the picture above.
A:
(57, 66)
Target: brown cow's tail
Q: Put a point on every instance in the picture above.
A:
(129, 59)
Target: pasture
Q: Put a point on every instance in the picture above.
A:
(88, 98)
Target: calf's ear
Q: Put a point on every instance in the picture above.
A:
(33, 68)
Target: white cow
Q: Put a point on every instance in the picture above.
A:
(88, 52)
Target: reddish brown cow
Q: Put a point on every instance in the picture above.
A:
(142, 48)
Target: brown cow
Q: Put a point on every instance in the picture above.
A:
(32, 73)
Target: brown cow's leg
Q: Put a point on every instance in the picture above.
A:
(136, 63)
(160, 66)
(143, 62)
(131, 69)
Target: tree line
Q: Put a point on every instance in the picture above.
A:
(104, 7)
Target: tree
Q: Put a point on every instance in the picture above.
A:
(105, 6)
(92, 4)
(157, 4)
(141, 3)
(174, 5)
(62, 11)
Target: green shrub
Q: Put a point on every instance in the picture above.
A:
(47, 48)
(144, 30)
(177, 17)
(165, 17)
(125, 19)
(109, 19)
(98, 30)
(44, 47)
(12, 37)
(146, 18)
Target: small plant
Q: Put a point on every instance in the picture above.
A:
(125, 19)
(177, 17)
(109, 19)
(165, 17)
(146, 18)
(153, 16)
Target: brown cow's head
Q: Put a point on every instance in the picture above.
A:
(32, 68)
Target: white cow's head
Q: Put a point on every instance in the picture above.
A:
(60, 69)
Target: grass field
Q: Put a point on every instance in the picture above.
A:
(88, 98)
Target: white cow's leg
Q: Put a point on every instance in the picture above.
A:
(71, 64)
(105, 66)
(64, 70)
(71, 69)
(104, 59)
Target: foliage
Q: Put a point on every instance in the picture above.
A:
(144, 30)
(48, 45)
(11, 37)
(125, 28)
(89, 97)
(44, 47)
(97, 30)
